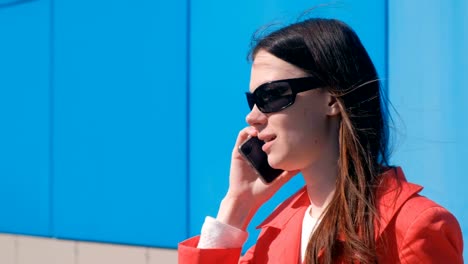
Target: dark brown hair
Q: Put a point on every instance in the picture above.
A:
(331, 51)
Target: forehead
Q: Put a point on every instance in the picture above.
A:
(267, 68)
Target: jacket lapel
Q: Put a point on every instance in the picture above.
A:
(286, 223)
(391, 194)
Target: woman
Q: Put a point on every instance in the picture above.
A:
(316, 103)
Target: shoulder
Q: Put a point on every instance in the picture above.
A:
(421, 231)
(399, 200)
(428, 232)
(412, 228)
(419, 212)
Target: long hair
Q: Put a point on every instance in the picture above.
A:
(331, 51)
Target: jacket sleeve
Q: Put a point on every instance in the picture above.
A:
(188, 253)
(433, 237)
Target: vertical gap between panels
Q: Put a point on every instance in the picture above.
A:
(386, 80)
(187, 72)
(51, 116)
(387, 46)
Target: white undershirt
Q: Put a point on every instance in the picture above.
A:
(215, 234)
(308, 227)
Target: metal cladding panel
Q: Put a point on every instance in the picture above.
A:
(428, 64)
(120, 142)
(25, 117)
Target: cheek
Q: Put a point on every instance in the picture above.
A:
(314, 119)
(299, 141)
(307, 132)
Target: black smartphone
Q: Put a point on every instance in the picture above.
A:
(252, 151)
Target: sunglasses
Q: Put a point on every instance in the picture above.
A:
(277, 95)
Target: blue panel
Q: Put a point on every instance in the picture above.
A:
(24, 118)
(120, 111)
(428, 66)
(220, 36)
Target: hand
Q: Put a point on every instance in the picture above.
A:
(247, 192)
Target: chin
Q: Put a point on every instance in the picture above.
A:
(277, 162)
(283, 163)
(273, 162)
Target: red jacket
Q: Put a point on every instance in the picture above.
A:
(410, 229)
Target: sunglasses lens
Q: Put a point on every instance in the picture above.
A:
(273, 97)
(250, 100)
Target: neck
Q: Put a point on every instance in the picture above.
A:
(321, 184)
(321, 176)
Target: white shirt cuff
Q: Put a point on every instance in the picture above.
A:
(215, 234)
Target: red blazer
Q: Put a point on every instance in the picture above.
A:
(410, 229)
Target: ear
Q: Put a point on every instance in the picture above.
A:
(333, 107)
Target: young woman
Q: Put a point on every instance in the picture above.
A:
(316, 103)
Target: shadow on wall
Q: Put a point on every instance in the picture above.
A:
(7, 3)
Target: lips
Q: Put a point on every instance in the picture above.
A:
(268, 139)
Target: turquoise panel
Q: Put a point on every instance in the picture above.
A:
(120, 121)
(428, 64)
(24, 117)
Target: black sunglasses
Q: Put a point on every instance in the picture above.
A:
(277, 95)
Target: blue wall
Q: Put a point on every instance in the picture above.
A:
(112, 127)
(94, 120)
(119, 128)
(25, 118)
(428, 64)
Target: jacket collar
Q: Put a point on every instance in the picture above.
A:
(392, 193)
(294, 206)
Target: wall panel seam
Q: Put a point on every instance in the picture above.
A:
(187, 72)
(51, 116)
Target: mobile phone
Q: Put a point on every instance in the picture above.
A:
(252, 151)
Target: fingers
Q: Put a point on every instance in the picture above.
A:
(244, 134)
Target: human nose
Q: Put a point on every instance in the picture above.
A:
(256, 117)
